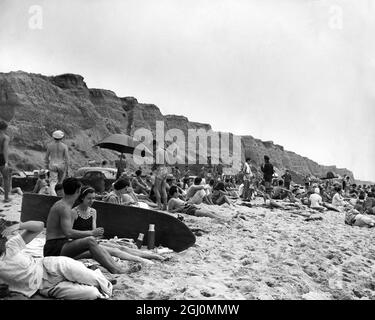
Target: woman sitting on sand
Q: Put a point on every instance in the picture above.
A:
(84, 217)
(316, 201)
(219, 195)
(176, 205)
(338, 200)
(123, 194)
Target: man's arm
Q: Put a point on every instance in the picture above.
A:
(31, 230)
(66, 226)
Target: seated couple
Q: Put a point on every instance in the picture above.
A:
(176, 205)
(57, 277)
(63, 239)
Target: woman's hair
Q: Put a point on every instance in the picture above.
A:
(337, 188)
(173, 190)
(84, 192)
(197, 181)
(220, 186)
(3, 125)
(71, 185)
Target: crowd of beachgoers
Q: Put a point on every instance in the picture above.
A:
(72, 232)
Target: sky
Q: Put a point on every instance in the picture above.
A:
(298, 72)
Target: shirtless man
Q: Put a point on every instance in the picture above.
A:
(161, 172)
(63, 240)
(57, 160)
(4, 165)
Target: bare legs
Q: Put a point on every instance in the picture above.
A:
(161, 193)
(7, 181)
(79, 248)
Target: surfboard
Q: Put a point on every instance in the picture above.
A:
(120, 221)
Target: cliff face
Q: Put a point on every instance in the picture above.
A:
(36, 105)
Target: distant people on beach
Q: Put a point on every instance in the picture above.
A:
(57, 160)
(287, 177)
(268, 171)
(247, 180)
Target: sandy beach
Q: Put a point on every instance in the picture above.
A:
(259, 254)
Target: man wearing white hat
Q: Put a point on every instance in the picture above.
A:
(57, 160)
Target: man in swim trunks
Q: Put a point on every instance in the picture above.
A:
(63, 240)
(57, 160)
(4, 165)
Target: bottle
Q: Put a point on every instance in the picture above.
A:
(151, 237)
(139, 241)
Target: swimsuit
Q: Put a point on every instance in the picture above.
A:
(84, 220)
(189, 209)
(53, 247)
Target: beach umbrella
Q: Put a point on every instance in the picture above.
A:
(119, 142)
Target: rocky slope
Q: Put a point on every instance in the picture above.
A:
(36, 105)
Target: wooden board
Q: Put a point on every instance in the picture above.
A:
(120, 221)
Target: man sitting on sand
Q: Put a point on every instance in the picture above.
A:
(57, 277)
(63, 240)
(140, 186)
(196, 193)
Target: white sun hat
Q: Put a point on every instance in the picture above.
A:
(58, 135)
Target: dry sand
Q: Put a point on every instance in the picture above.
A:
(260, 254)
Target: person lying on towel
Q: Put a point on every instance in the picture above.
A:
(56, 277)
